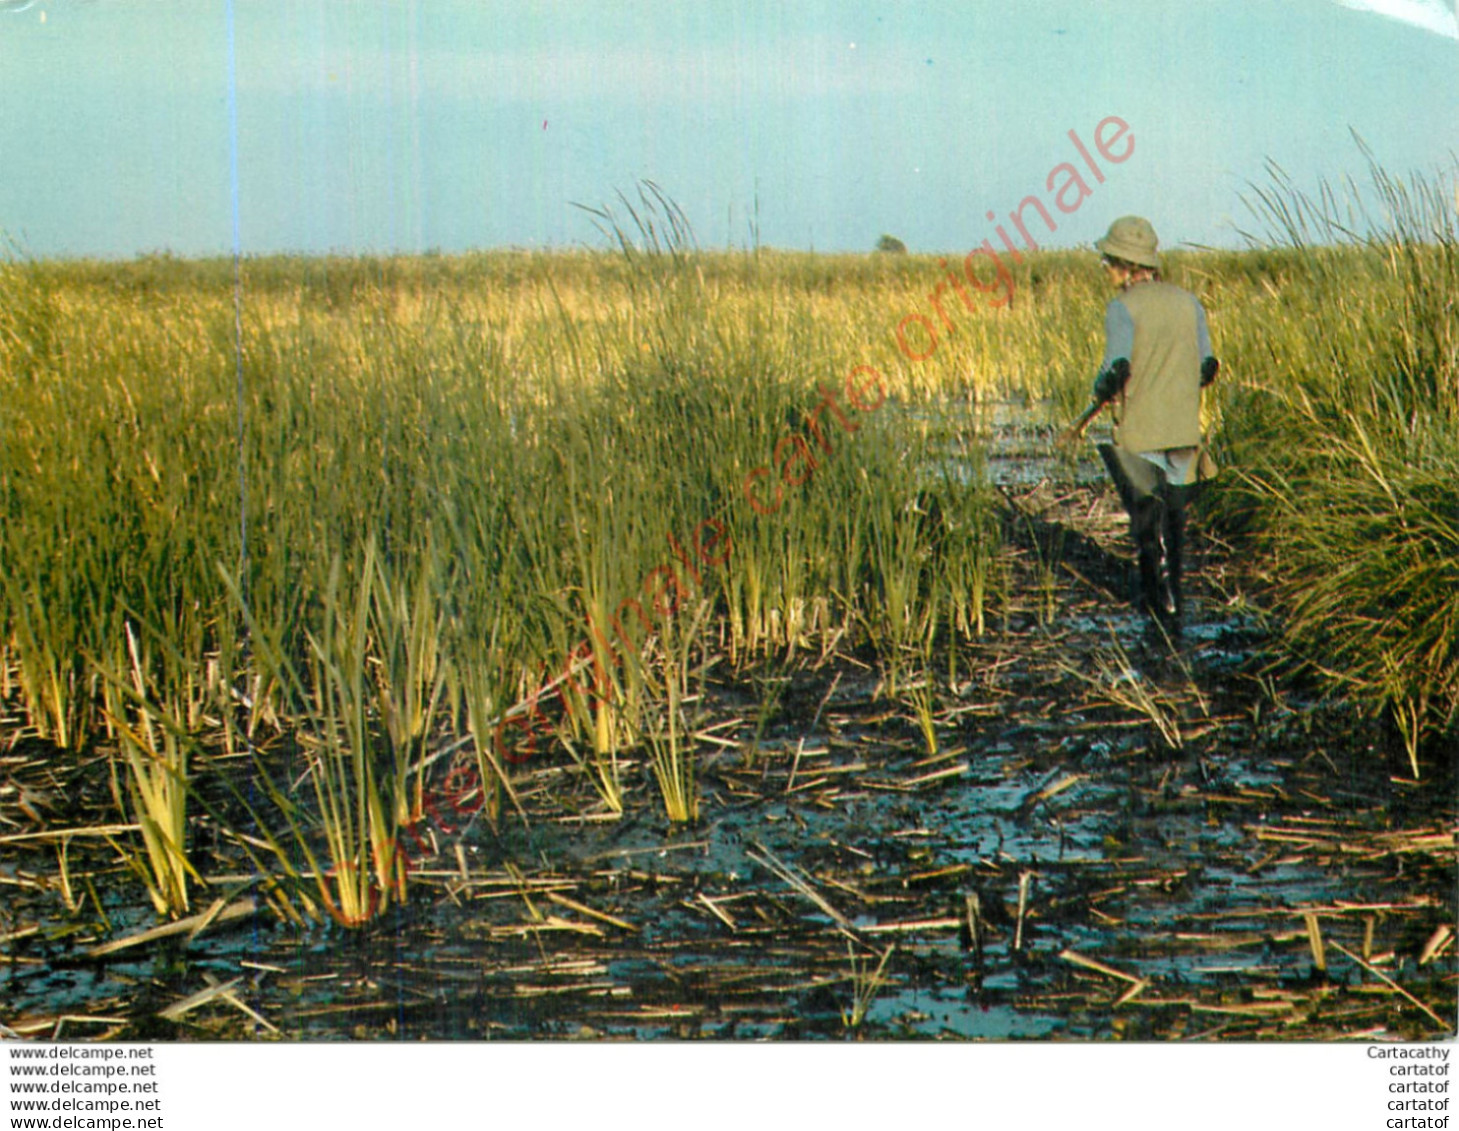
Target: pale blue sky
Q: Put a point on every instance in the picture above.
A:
(394, 125)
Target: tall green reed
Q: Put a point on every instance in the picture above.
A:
(1346, 425)
(456, 468)
(155, 743)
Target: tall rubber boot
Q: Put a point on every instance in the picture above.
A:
(1146, 526)
(1173, 536)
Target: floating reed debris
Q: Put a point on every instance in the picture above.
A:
(1446, 1026)
(955, 771)
(36, 1026)
(1314, 940)
(179, 1009)
(717, 911)
(913, 926)
(191, 926)
(1024, 879)
(546, 923)
(584, 909)
(1073, 956)
(103, 831)
(792, 876)
(1439, 942)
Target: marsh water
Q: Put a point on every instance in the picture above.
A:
(1119, 835)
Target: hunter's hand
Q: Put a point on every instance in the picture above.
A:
(1075, 432)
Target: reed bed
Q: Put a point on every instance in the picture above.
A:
(1052, 871)
(1344, 421)
(515, 502)
(456, 480)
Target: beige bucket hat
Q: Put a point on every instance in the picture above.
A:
(1132, 239)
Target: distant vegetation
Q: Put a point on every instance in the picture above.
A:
(891, 245)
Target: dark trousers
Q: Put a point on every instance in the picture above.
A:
(1157, 525)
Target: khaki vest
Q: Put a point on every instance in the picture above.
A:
(1161, 405)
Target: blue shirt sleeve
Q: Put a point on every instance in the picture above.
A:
(1203, 334)
(1119, 333)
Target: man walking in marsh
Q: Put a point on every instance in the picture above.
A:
(1157, 359)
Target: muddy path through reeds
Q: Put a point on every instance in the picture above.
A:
(1075, 828)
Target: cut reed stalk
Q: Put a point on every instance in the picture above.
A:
(866, 983)
(154, 751)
